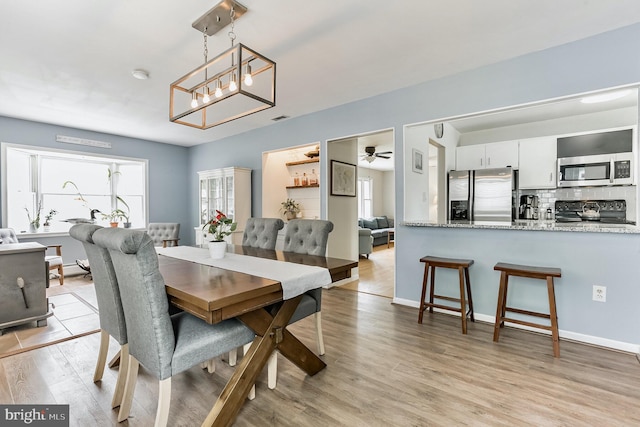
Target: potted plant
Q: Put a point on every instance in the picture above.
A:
(47, 219)
(215, 230)
(115, 216)
(290, 208)
(34, 222)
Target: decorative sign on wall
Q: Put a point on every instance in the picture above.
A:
(82, 141)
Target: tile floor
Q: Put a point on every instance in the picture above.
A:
(73, 315)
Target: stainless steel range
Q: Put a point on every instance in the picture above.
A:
(604, 211)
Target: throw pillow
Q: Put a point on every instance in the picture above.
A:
(371, 224)
(382, 222)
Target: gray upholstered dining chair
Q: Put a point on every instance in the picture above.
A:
(262, 232)
(8, 235)
(164, 233)
(305, 236)
(112, 322)
(165, 345)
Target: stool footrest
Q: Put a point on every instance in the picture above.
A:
(446, 298)
(525, 323)
(443, 307)
(527, 312)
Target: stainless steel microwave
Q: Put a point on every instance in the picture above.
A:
(598, 170)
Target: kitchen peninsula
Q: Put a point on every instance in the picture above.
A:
(579, 214)
(533, 225)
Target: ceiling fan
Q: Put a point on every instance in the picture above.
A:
(371, 154)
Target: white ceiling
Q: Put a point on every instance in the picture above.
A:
(69, 62)
(544, 111)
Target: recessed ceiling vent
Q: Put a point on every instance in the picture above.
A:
(276, 119)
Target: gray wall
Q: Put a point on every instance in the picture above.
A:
(586, 259)
(167, 172)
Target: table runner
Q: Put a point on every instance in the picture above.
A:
(295, 278)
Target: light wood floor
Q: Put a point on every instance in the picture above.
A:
(383, 370)
(376, 272)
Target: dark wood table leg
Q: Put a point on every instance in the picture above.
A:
(271, 334)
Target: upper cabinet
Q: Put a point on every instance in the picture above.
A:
(538, 163)
(487, 156)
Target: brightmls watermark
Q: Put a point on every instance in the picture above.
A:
(34, 415)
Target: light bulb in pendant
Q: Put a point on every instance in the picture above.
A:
(218, 92)
(205, 98)
(248, 80)
(233, 86)
(194, 100)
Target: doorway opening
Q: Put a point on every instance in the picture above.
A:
(437, 195)
(373, 208)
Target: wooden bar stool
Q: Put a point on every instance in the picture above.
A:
(462, 265)
(544, 273)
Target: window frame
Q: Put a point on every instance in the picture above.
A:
(361, 199)
(72, 155)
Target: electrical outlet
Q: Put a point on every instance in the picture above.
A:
(599, 293)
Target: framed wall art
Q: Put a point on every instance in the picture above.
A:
(343, 179)
(417, 160)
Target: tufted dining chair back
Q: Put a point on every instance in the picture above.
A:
(262, 232)
(164, 233)
(307, 236)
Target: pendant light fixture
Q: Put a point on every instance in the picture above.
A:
(244, 80)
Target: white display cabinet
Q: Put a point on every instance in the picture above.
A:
(229, 191)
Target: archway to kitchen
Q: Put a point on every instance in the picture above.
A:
(372, 209)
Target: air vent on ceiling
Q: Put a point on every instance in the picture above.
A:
(276, 119)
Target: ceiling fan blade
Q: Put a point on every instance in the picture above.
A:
(383, 157)
(386, 152)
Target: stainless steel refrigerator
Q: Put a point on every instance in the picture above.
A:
(482, 195)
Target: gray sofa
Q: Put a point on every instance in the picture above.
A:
(379, 226)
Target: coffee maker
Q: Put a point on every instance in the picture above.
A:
(528, 207)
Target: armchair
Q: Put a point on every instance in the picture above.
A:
(8, 235)
(365, 242)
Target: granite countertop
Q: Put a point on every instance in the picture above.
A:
(540, 225)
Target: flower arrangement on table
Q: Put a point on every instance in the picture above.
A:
(290, 208)
(219, 227)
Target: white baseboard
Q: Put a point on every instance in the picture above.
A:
(568, 335)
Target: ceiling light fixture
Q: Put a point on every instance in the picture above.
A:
(245, 93)
(604, 97)
(140, 74)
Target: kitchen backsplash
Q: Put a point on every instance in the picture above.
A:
(547, 198)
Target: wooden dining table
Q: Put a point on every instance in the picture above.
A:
(214, 294)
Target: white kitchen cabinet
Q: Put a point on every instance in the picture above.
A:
(487, 156)
(538, 158)
(470, 157)
(229, 191)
